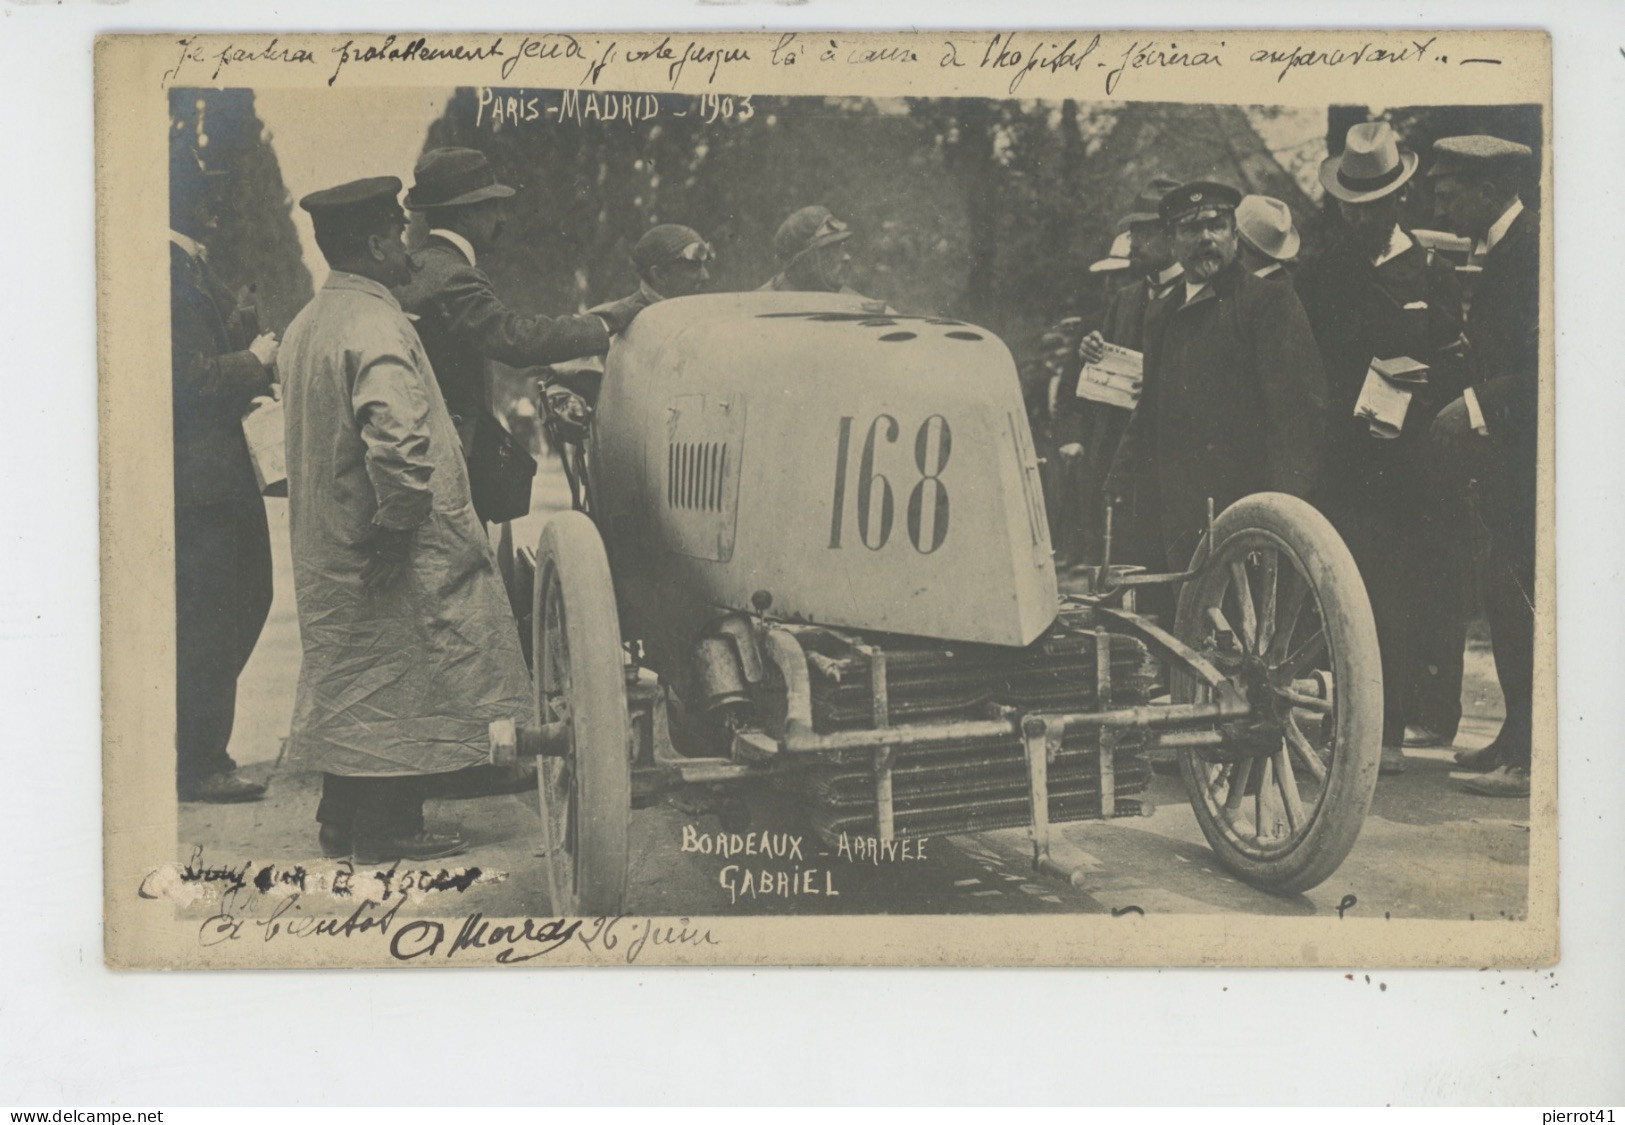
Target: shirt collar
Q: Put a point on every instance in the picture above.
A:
(463, 245)
(1398, 243)
(192, 248)
(648, 292)
(1265, 271)
(1194, 289)
(338, 279)
(1167, 276)
(1499, 228)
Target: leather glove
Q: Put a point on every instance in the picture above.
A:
(568, 416)
(618, 315)
(387, 549)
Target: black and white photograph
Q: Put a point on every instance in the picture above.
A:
(688, 518)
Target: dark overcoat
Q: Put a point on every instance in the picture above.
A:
(1234, 402)
(1503, 334)
(464, 325)
(215, 379)
(1408, 306)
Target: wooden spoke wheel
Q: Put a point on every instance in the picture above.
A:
(586, 785)
(1281, 609)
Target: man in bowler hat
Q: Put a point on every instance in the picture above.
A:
(464, 324)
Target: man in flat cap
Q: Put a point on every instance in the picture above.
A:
(1490, 432)
(409, 644)
(1377, 295)
(1267, 237)
(220, 362)
(464, 324)
(811, 256)
(1234, 398)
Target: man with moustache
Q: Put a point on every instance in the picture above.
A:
(1234, 397)
(464, 324)
(813, 259)
(409, 646)
(1490, 433)
(1377, 294)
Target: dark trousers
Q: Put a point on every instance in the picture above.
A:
(222, 597)
(1505, 475)
(1385, 541)
(373, 806)
(1443, 607)
(1509, 603)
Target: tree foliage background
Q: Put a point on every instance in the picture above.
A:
(255, 242)
(987, 210)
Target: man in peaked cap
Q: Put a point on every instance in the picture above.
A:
(409, 644)
(1377, 294)
(811, 256)
(1267, 237)
(220, 362)
(1233, 400)
(1490, 433)
(464, 324)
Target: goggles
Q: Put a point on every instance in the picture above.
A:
(696, 252)
(829, 226)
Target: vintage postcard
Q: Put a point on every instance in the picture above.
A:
(974, 498)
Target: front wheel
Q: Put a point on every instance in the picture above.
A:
(586, 788)
(1280, 607)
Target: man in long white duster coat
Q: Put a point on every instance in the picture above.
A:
(409, 643)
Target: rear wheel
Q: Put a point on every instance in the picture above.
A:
(1280, 608)
(586, 790)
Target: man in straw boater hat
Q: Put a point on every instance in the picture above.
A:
(1269, 239)
(1375, 295)
(409, 645)
(1234, 399)
(1490, 433)
(464, 324)
(221, 362)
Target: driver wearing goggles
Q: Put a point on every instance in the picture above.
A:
(810, 251)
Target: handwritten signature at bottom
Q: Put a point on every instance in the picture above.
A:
(507, 942)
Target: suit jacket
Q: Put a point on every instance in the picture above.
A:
(1503, 327)
(1503, 335)
(1123, 324)
(1408, 306)
(465, 325)
(214, 379)
(1234, 402)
